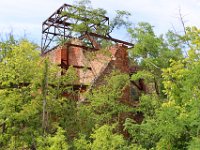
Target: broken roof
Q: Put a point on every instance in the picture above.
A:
(63, 23)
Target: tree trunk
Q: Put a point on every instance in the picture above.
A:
(44, 94)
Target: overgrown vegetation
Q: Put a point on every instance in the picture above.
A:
(34, 114)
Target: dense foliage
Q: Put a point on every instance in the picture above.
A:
(34, 114)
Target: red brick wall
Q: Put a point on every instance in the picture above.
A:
(54, 55)
(119, 62)
(100, 66)
(121, 57)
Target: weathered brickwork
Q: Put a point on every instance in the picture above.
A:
(92, 67)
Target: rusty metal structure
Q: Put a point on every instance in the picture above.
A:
(60, 27)
(65, 45)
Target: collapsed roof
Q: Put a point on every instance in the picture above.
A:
(70, 22)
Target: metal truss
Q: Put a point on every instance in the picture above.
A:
(59, 28)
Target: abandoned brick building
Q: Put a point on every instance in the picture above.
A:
(83, 50)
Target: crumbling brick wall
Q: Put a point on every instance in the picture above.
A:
(92, 70)
(119, 61)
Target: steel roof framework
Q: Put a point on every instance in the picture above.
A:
(58, 28)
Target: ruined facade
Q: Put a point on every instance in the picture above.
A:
(83, 50)
(92, 66)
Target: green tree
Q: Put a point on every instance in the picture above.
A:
(172, 122)
(22, 76)
(6, 45)
(53, 142)
(102, 138)
(104, 105)
(17, 71)
(95, 18)
(152, 53)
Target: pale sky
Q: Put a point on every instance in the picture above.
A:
(25, 17)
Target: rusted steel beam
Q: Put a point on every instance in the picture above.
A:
(110, 38)
(67, 5)
(61, 23)
(93, 41)
(56, 25)
(58, 11)
(55, 34)
(81, 46)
